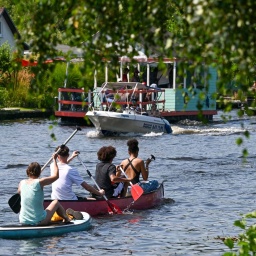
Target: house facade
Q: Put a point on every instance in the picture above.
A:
(8, 31)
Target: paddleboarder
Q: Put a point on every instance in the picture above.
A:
(32, 197)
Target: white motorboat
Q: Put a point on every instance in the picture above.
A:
(126, 107)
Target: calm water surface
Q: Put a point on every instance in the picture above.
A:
(203, 172)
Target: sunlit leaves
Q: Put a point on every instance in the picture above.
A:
(246, 241)
(229, 242)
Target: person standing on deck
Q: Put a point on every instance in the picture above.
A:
(125, 75)
(136, 77)
(62, 188)
(135, 167)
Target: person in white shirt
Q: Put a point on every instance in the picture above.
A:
(68, 176)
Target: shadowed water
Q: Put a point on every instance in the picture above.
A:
(202, 169)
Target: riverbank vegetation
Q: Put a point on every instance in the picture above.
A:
(32, 86)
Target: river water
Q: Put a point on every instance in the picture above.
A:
(202, 167)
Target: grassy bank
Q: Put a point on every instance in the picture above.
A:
(17, 113)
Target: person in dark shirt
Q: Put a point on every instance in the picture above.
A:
(136, 77)
(105, 174)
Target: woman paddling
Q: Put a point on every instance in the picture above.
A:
(32, 197)
(135, 167)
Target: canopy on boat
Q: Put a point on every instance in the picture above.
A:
(123, 85)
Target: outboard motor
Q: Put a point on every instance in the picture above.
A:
(167, 126)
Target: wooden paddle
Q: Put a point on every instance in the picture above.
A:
(112, 209)
(136, 190)
(14, 201)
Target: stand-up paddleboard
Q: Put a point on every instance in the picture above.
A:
(19, 231)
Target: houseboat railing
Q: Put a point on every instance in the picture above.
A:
(72, 99)
(126, 98)
(77, 100)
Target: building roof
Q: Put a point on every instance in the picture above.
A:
(4, 13)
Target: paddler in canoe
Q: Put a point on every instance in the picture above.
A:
(62, 188)
(134, 167)
(105, 174)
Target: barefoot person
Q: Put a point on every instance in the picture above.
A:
(32, 197)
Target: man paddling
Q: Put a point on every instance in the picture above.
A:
(62, 188)
(105, 174)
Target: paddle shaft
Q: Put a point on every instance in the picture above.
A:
(14, 201)
(125, 175)
(69, 138)
(112, 207)
(89, 173)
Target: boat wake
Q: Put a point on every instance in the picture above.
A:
(96, 134)
(153, 134)
(207, 131)
(178, 130)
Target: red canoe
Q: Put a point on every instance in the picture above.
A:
(99, 207)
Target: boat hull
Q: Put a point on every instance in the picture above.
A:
(56, 229)
(127, 122)
(100, 207)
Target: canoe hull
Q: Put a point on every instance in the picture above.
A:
(100, 207)
(23, 232)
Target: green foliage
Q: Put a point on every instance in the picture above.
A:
(245, 244)
(100, 28)
(221, 32)
(224, 32)
(5, 63)
(10, 6)
(229, 243)
(3, 97)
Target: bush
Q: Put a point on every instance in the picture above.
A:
(36, 87)
(4, 95)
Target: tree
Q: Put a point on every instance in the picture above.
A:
(102, 28)
(224, 32)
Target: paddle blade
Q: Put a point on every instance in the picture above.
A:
(14, 203)
(136, 191)
(113, 209)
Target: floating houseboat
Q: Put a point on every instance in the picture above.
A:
(184, 93)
